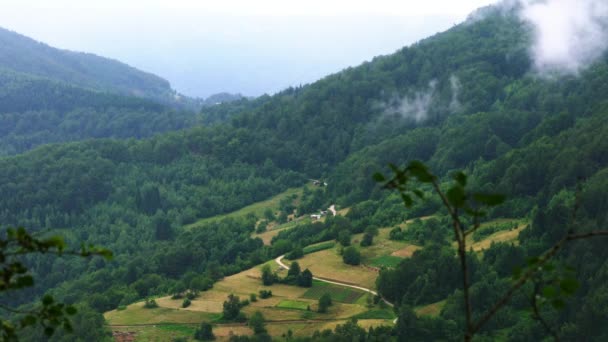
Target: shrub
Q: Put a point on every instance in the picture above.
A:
(186, 303)
(265, 294)
(351, 256)
(150, 304)
(204, 333)
(325, 302)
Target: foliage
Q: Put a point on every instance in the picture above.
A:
(15, 246)
(324, 303)
(265, 294)
(232, 308)
(351, 256)
(204, 332)
(268, 277)
(150, 303)
(257, 323)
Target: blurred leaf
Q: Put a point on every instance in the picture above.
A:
(461, 178)
(569, 285)
(378, 177)
(456, 196)
(549, 292)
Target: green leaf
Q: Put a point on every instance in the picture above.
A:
(407, 200)
(456, 196)
(460, 178)
(549, 292)
(378, 177)
(418, 193)
(489, 199)
(420, 171)
(569, 285)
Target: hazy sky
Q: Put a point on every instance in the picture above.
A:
(252, 47)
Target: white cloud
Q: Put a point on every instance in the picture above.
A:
(568, 34)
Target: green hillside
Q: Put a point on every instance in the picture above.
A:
(533, 139)
(24, 55)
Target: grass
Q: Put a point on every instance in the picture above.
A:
(293, 304)
(406, 252)
(432, 310)
(136, 314)
(182, 329)
(338, 293)
(500, 236)
(328, 264)
(385, 261)
(257, 208)
(319, 247)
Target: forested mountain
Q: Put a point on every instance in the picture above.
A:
(463, 99)
(24, 55)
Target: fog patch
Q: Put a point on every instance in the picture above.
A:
(412, 107)
(455, 105)
(569, 35)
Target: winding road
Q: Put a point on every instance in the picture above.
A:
(279, 261)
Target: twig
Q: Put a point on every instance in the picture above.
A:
(537, 314)
(462, 254)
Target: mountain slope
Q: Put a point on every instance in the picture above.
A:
(24, 55)
(526, 136)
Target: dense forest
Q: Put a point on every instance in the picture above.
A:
(531, 138)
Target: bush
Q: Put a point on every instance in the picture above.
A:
(257, 323)
(351, 256)
(367, 240)
(244, 303)
(325, 302)
(265, 294)
(232, 308)
(204, 333)
(268, 277)
(186, 303)
(305, 278)
(150, 304)
(191, 294)
(253, 297)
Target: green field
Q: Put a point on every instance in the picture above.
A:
(179, 328)
(338, 293)
(257, 208)
(385, 261)
(319, 247)
(293, 304)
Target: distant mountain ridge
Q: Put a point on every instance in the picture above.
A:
(21, 54)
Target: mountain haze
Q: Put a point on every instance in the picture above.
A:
(27, 56)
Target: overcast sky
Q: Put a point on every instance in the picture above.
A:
(252, 47)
